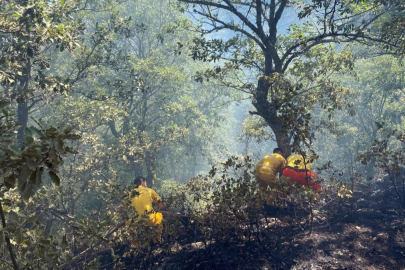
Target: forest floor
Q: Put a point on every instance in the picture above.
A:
(364, 232)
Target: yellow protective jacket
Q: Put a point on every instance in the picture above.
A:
(296, 161)
(267, 168)
(143, 204)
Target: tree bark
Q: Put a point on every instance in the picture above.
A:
(22, 116)
(113, 129)
(151, 168)
(267, 109)
(22, 110)
(283, 141)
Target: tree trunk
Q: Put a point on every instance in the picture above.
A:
(138, 169)
(22, 115)
(125, 126)
(151, 168)
(113, 129)
(267, 110)
(22, 110)
(283, 141)
(172, 165)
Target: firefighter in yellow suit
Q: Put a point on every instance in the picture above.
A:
(142, 202)
(299, 169)
(266, 173)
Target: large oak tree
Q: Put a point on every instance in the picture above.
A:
(293, 69)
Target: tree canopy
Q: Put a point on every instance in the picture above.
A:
(191, 94)
(289, 82)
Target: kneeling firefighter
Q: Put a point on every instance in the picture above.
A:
(142, 203)
(266, 173)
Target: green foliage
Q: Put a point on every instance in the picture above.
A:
(128, 106)
(21, 175)
(388, 152)
(129, 93)
(378, 99)
(391, 26)
(28, 236)
(27, 28)
(255, 128)
(293, 69)
(227, 205)
(24, 166)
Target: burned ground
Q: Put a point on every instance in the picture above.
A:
(366, 231)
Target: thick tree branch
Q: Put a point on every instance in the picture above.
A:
(259, 11)
(113, 129)
(289, 55)
(206, 3)
(280, 11)
(230, 7)
(230, 27)
(272, 12)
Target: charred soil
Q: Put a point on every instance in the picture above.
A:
(366, 231)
